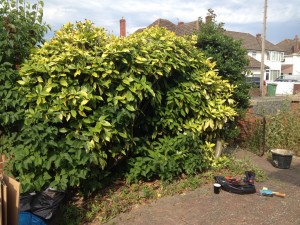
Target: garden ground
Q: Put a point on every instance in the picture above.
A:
(203, 207)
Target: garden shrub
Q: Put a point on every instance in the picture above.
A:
(93, 99)
(168, 157)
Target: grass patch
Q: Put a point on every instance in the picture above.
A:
(122, 197)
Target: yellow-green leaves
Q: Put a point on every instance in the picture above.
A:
(84, 102)
(63, 82)
(104, 94)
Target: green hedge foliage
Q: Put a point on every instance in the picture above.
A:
(94, 99)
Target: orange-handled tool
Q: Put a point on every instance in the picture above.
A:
(272, 193)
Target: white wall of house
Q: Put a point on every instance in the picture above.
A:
(296, 67)
(255, 54)
(274, 64)
(288, 59)
(255, 72)
(293, 59)
(284, 88)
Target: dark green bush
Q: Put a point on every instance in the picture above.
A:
(231, 61)
(21, 29)
(168, 157)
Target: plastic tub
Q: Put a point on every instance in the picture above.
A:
(282, 158)
(27, 218)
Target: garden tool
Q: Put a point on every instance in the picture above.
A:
(266, 192)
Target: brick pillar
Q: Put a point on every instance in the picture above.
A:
(122, 27)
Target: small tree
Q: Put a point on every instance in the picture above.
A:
(231, 61)
(22, 27)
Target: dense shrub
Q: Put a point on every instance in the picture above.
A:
(168, 157)
(94, 99)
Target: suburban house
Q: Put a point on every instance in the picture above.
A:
(291, 62)
(273, 54)
(272, 59)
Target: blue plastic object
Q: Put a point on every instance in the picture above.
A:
(27, 218)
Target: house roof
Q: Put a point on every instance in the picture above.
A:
(180, 29)
(163, 23)
(187, 28)
(251, 42)
(287, 68)
(254, 64)
(288, 45)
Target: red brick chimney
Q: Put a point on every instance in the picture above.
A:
(296, 44)
(208, 19)
(122, 27)
(258, 38)
(180, 23)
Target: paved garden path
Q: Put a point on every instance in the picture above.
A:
(203, 207)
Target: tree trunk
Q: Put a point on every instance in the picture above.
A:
(218, 148)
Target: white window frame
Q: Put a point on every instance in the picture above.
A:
(275, 56)
(282, 56)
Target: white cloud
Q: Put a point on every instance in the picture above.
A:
(239, 14)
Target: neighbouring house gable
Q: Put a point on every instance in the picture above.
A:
(180, 29)
(187, 28)
(290, 46)
(164, 23)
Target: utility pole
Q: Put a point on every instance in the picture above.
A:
(263, 46)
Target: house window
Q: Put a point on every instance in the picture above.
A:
(268, 56)
(275, 56)
(274, 74)
(254, 54)
(267, 74)
(282, 56)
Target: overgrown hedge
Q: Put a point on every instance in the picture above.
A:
(94, 99)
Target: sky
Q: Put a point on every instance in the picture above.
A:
(283, 17)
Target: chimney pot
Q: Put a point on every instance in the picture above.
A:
(122, 27)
